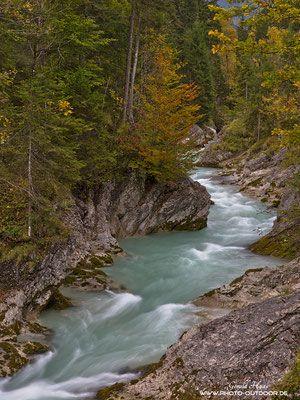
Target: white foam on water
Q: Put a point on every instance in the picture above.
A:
(99, 342)
(76, 355)
(75, 388)
(37, 391)
(202, 255)
(243, 221)
(186, 262)
(119, 303)
(167, 320)
(211, 248)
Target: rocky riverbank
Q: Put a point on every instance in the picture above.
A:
(252, 347)
(99, 217)
(253, 286)
(271, 177)
(257, 343)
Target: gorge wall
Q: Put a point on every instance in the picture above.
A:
(252, 347)
(98, 218)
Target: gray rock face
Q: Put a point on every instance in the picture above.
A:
(201, 136)
(100, 215)
(98, 218)
(213, 158)
(24, 291)
(253, 346)
(254, 286)
(136, 207)
(263, 176)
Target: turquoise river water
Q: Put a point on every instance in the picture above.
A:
(107, 336)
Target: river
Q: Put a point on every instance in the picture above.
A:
(107, 336)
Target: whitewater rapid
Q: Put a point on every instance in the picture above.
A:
(108, 336)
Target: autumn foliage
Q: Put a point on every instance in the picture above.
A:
(159, 145)
(275, 56)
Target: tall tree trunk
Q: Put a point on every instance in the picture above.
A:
(128, 67)
(144, 70)
(135, 62)
(29, 163)
(259, 102)
(29, 183)
(246, 98)
(258, 124)
(105, 93)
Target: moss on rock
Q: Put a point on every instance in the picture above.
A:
(84, 273)
(210, 293)
(150, 368)
(11, 330)
(87, 271)
(19, 343)
(59, 302)
(95, 261)
(189, 224)
(256, 182)
(290, 383)
(101, 261)
(33, 348)
(278, 246)
(192, 225)
(240, 278)
(179, 362)
(108, 392)
(69, 280)
(13, 359)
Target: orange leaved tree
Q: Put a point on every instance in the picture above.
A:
(159, 145)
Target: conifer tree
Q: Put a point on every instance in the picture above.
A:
(48, 132)
(199, 67)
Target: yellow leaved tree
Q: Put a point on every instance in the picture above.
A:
(280, 47)
(160, 145)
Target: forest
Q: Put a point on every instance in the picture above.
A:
(149, 199)
(93, 89)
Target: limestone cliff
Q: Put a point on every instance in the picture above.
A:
(99, 217)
